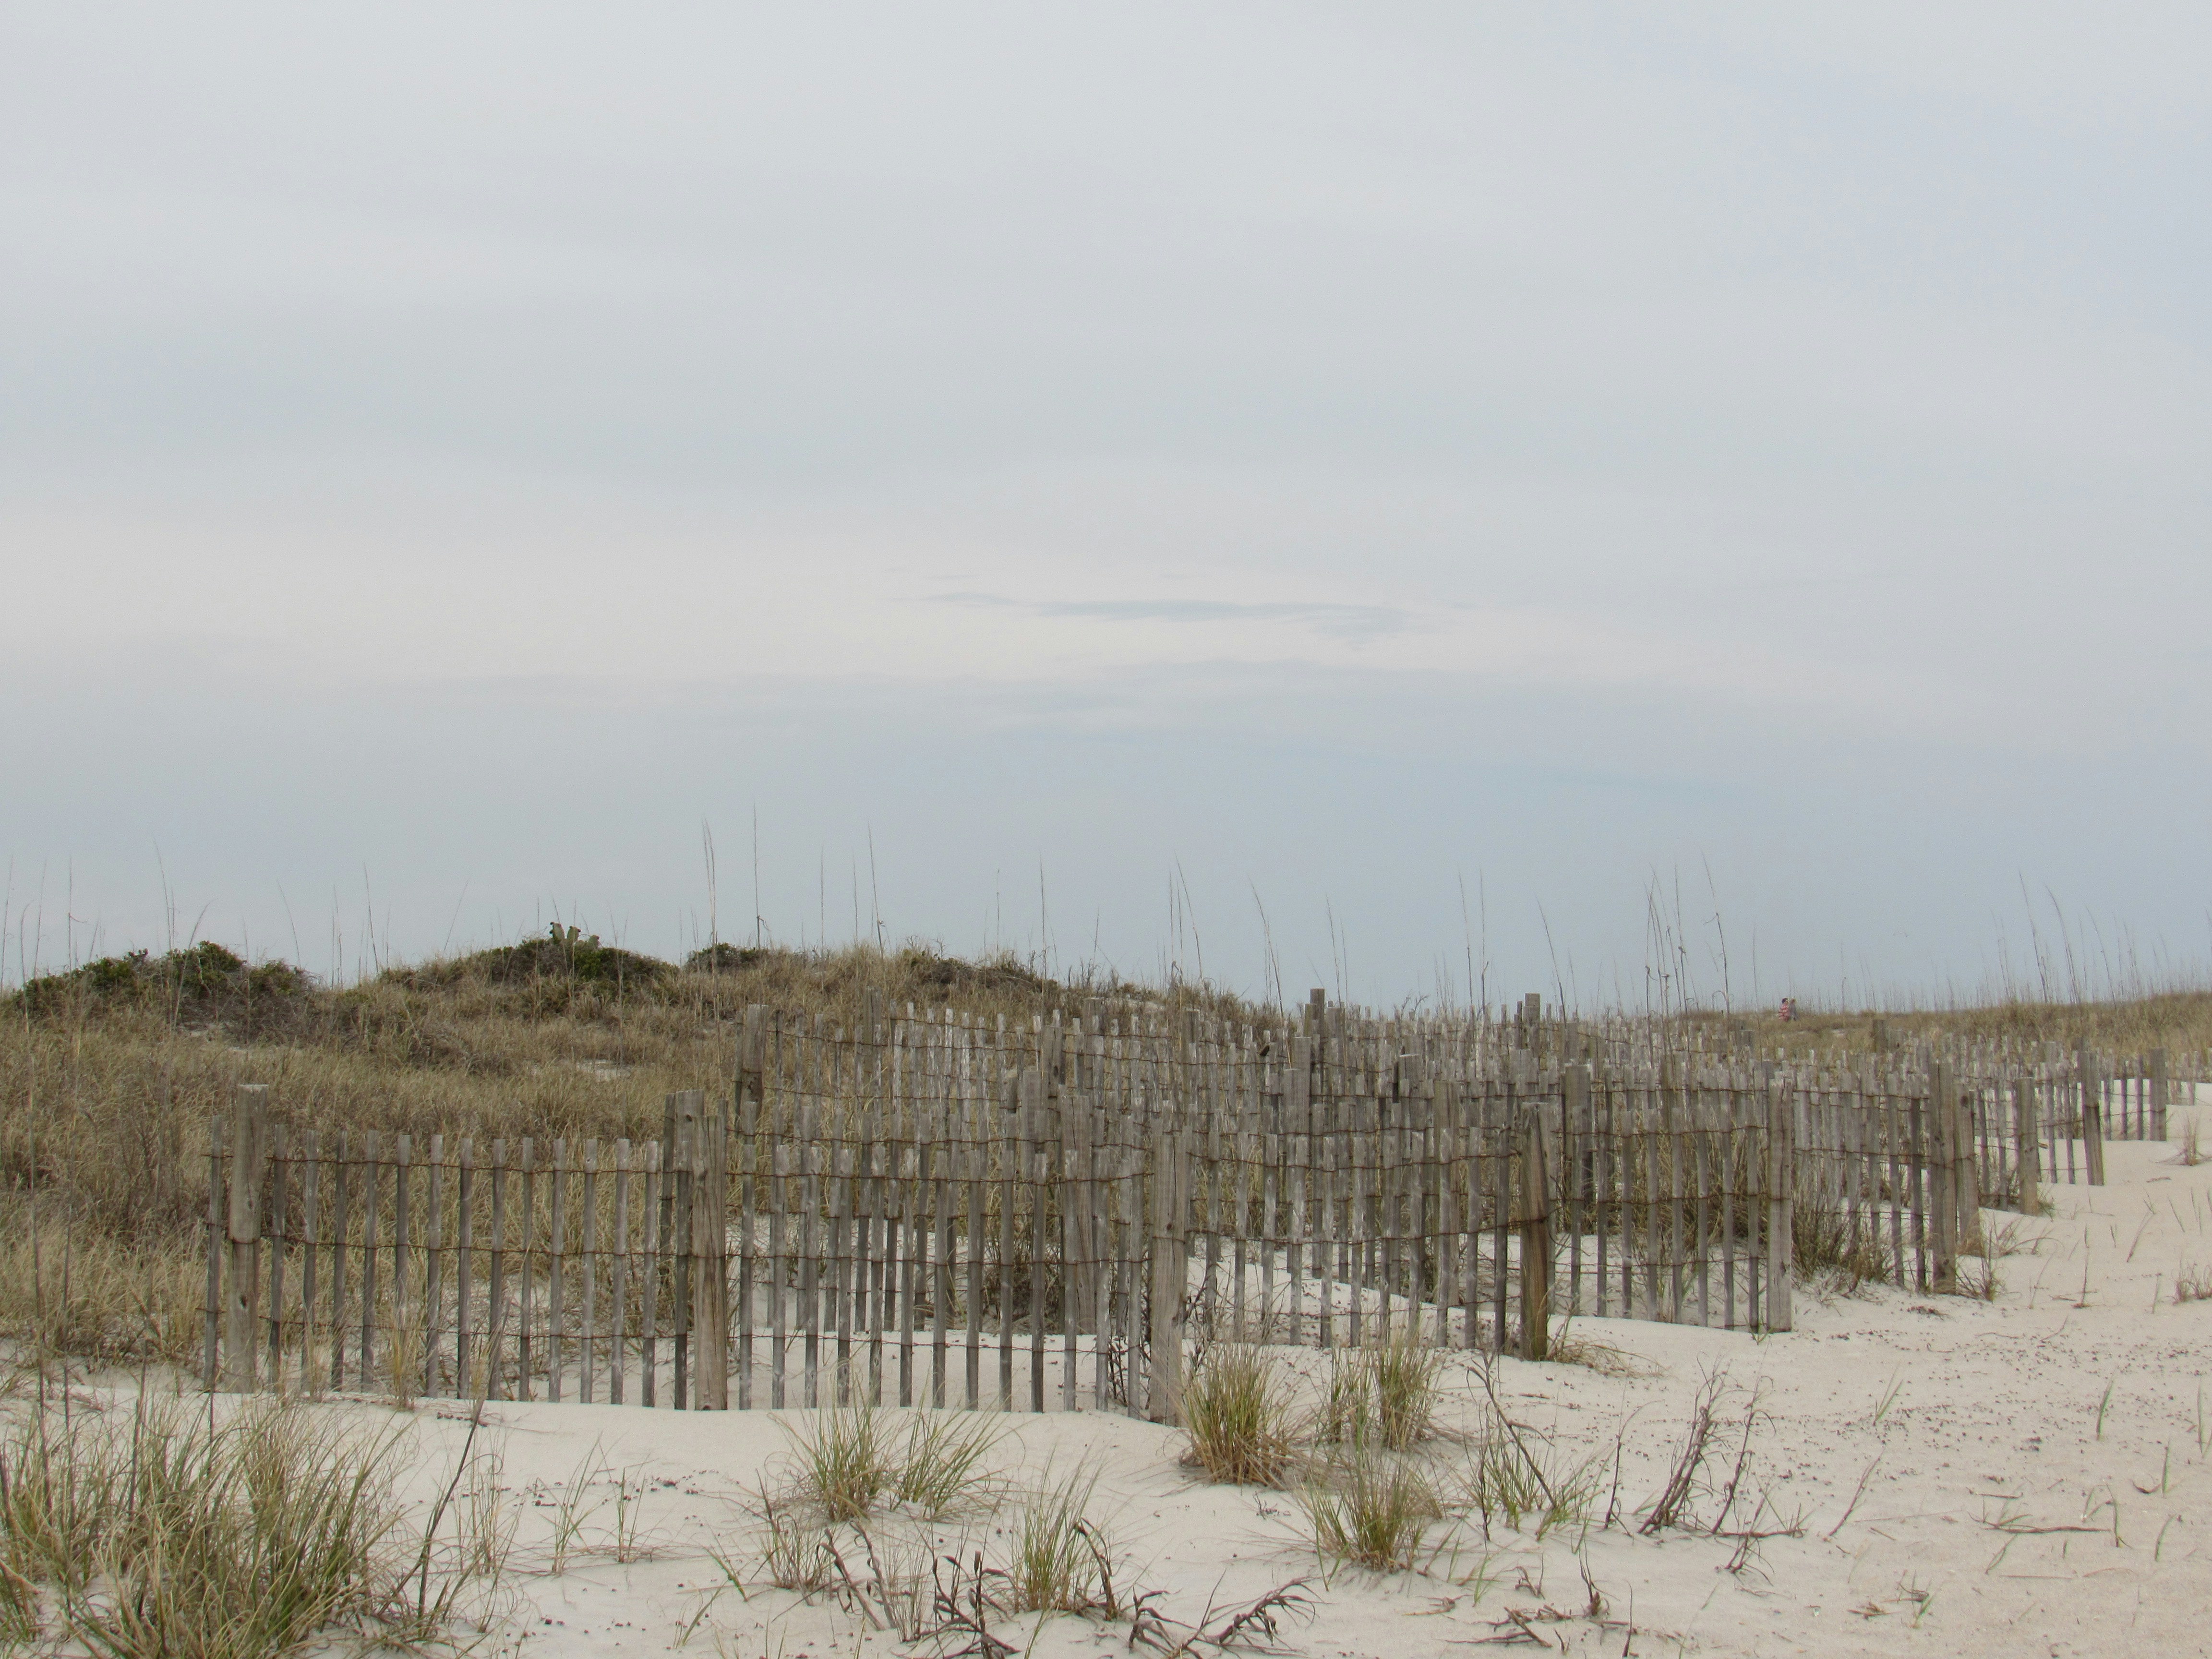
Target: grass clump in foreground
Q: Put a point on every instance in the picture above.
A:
(1369, 1500)
(1059, 1560)
(852, 1462)
(1383, 1396)
(1055, 1559)
(1237, 1415)
(1512, 1477)
(174, 1534)
(1828, 1255)
(1372, 1509)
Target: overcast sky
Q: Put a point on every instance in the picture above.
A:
(449, 454)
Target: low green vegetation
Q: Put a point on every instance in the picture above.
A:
(163, 1531)
(1237, 1414)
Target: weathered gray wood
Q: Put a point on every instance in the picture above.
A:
(1731, 1118)
(780, 1241)
(1370, 1156)
(1132, 1270)
(709, 1318)
(975, 1151)
(678, 1242)
(372, 1174)
(434, 1223)
(1609, 1206)
(751, 1096)
(1299, 1104)
(402, 1160)
(1501, 1175)
(839, 1254)
(556, 1265)
(874, 1247)
(249, 1124)
(495, 1342)
(311, 1187)
(218, 1247)
(1942, 1148)
(2091, 1082)
(1009, 1148)
(934, 1155)
(1070, 1162)
(279, 1169)
(1779, 1229)
(811, 1242)
(658, 1222)
(618, 1284)
(1535, 1238)
(588, 1332)
(1573, 1144)
(466, 1378)
(1169, 1276)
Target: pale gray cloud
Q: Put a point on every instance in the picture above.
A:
(1768, 434)
(1351, 621)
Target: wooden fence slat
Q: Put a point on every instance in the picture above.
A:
(975, 1150)
(495, 1342)
(434, 1222)
(677, 1238)
(908, 1219)
(466, 1375)
(371, 1213)
(934, 1154)
(311, 1187)
(218, 1241)
(1500, 1148)
(588, 1330)
(840, 1253)
(618, 1281)
(1535, 1238)
(248, 1150)
(1780, 1123)
(279, 1169)
(811, 1241)
(556, 1265)
(1731, 1115)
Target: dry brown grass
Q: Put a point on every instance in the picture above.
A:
(2180, 1022)
(110, 1077)
(72, 1291)
(1237, 1411)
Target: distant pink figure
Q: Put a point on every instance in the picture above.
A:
(1789, 1008)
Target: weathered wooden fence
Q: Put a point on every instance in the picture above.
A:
(929, 1210)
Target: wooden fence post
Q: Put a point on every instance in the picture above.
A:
(217, 1240)
(1781, 1176)
(748, 1094)
(2159, 1092)
(1967, 1145)
(249, 1126)
(1535, 1238)
(710, 1233)
(2028, 1150)
(1170, 1275)
(2087, 1072)
(1943, 1185)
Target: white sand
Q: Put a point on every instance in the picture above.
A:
(1993, 1430)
